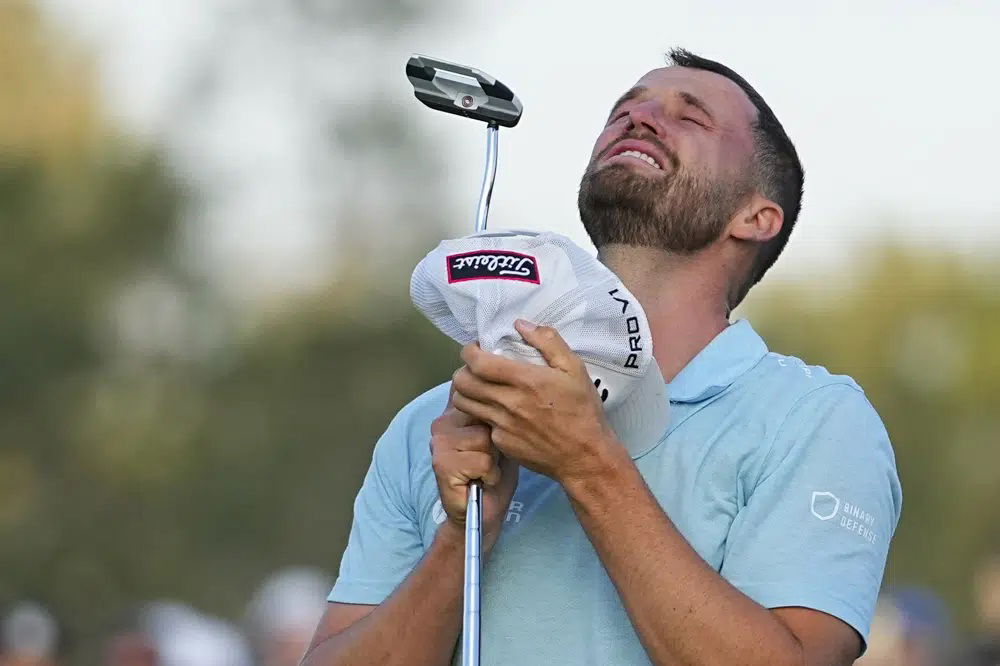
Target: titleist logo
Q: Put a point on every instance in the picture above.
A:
(492, 265)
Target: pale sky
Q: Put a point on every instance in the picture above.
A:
(892, 104)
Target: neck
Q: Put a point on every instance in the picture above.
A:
(684, 298)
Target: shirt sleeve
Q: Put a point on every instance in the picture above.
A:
(385, 542)
(816, 525)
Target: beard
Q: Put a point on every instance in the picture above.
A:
(680, 211)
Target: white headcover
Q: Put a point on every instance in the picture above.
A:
(473, 288)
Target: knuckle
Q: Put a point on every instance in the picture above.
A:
(476, 438)
(437, 443)
(480, 436)
(481, 463)
(443, 443)
(441, 424)
(443, 462)
(436, 425)
(492, 478)
(504, 419)
(529, 380)
(520, 405)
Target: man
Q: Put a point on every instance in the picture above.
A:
(754, 532)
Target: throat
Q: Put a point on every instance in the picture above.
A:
(684, 298)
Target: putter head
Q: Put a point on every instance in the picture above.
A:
(464, 91)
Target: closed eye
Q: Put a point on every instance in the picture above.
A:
(617, 117)
(694, 120)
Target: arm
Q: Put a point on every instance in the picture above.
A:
(550, 420)
(418, 624)
(420, 621)
(681, 608)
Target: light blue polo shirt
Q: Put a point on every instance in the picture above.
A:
(778, 473)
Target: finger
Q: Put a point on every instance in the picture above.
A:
(547, 340)
(459, 468)
(489, 413)
(450, 419)
(469, 438)
(474, 438)
(494, 367)
(468, 384)
(507, 443)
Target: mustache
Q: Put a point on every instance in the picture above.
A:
(648, 137)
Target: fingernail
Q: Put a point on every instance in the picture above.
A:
(527, 325)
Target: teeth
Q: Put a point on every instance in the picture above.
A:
(642, 156)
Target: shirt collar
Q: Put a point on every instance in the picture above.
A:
(723, 360)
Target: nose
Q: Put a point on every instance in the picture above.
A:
(646, 115)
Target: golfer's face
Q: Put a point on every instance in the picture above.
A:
(678, 118)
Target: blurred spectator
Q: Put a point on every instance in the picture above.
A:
(29, 636)
(985, 651)
(911, 628)
(130, 643)
(282, 616)
(169, 633)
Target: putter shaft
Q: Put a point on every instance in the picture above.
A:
(473, 570)
(489, 175)
(472, 598)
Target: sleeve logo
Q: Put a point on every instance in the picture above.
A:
(824, 505)
(853, 518)
(492, 265)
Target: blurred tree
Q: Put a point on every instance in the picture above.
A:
(918, 330)
(80, 213)
(155, 442)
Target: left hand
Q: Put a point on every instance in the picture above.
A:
(547, 418)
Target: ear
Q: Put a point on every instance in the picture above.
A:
(758, 221)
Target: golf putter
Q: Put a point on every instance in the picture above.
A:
(464, 91)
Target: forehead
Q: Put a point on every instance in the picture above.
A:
(723, 97)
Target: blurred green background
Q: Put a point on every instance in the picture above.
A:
(161, 439)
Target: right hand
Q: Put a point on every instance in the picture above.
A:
(462, 451)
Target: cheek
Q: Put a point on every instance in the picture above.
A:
(701, 154)
(604, 139)
(732, 155)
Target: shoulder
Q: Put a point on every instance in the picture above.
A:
(410, 430)
(788, 373)
(403, 449)
(807, 412)
(415, 418)
(785, 387)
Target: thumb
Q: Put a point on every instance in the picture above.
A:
(547, 340)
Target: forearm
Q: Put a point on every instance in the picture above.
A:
(683, 611)
(418, 624)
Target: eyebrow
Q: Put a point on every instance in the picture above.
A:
(627, 97)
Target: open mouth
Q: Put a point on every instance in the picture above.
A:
(639, 155)
(638, 150)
